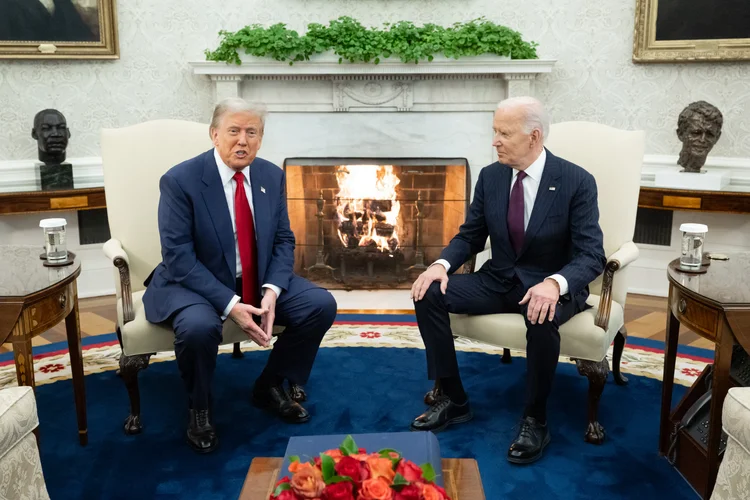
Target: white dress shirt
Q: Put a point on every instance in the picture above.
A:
(530, 188)
(230, 188)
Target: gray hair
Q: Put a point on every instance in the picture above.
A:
(536, 116)
(238, 105)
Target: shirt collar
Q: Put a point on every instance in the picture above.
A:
(535, 169)
(226, 173)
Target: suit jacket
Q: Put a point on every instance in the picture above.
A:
(563, 235)
(30, 20)
(197, 238)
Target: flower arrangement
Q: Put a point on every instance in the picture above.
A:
(350, 473)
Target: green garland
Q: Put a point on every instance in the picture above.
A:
(355, 43)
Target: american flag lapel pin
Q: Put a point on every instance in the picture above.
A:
(262, 189)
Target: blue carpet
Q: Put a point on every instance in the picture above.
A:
(352, 390)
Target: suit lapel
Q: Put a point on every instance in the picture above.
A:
(262, 212)
(216, 202)
(544, 199)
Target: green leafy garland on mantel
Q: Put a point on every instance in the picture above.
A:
(353, 42)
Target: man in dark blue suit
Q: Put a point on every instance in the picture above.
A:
(228, 252)
(541, 215)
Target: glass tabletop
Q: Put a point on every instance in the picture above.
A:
(726, 281)
(23, 273)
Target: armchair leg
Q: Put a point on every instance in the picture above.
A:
(433, 393)
(297, 392)
(129, 368)
(236, 352)
(506, 360)
(620, 339)
(597, 375)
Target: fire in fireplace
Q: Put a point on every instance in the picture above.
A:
(370, 223)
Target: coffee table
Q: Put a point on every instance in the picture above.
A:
(461, 476)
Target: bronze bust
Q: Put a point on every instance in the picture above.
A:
(51, 134)
(699, 128)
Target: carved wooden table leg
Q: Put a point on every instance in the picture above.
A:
(73, 330)
(597, 375)
(620, 339)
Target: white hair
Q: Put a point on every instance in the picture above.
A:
(535, 116)
(238, 105)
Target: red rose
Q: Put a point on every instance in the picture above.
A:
(411, 471)
(411, 492)
(339, 491)
(441, 491)
(348, 466)
(287, 495)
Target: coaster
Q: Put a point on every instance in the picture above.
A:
(675, 264)
(61, 263)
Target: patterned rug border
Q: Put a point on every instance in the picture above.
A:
(52, 364)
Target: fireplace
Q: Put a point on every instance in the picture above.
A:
(373, 223)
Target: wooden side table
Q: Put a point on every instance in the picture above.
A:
(716, 306)
(461, 476)
(33, 299)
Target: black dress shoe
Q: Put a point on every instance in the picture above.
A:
(442, 413)
(201, 434)
(530, 442)
(277, 400)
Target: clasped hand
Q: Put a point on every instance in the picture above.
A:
(242, 314)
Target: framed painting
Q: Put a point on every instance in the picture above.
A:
(691, 30)
(58, 29)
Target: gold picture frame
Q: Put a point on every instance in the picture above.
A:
(683, 27)
(89, 30)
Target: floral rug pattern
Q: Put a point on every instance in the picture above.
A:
(105, 357)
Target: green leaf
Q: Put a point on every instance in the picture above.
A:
(280, 488)
(339, 479)
(400, 480)
(327, 465)
(293, 458)
(428, 472)
(350, 446)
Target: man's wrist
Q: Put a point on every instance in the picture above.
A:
(554, 282)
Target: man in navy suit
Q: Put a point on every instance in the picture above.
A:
(540, 213)
(228, 252)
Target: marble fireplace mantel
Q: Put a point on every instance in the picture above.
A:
(323, 85)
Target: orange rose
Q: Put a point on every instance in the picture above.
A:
(375, 489)
(381, 467)
(335, 454)
(297, 466)
(307, 482)
(430, 492)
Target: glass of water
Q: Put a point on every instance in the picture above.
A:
(54, 239)
(693, 236)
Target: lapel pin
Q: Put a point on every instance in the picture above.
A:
(552, 188)
(262, 189)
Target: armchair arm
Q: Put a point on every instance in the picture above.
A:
(114, 251)
(626, 254)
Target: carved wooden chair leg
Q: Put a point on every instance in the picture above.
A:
(297, 393)
(129, 368)
(597, 375)
(236, 352)
(506, 360)
(432, 394)
(620, 339)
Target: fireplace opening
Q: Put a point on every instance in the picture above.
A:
(373, 223)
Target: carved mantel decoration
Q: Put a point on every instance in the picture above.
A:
(323, 85)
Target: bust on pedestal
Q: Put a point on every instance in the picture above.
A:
(51, 133)
(699, 129)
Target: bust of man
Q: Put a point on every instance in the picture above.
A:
(52, 134)
(699, 128)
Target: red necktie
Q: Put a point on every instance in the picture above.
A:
(516, 230)
(243, 218)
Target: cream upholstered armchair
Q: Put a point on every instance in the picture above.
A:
(20, 467)
(733, 479)
(614, 157)
(134, 158)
